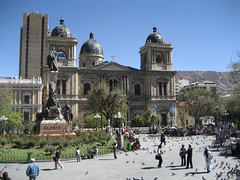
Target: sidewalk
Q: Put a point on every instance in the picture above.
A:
(140, 164)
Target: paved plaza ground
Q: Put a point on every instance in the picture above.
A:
(140, 164)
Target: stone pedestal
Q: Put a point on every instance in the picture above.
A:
(56, 127)
(120, 142)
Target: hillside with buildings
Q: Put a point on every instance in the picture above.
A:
(220, 78)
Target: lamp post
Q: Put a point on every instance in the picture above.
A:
(3, 119)
(118, 116)
(97, 116)
(153, 115)
(225, 116)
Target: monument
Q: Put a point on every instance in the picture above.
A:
(54, 120)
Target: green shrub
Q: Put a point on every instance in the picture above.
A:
(65, 144)
(56, 143)
(49, 149)
(30, 144)
(19, 143)
(3, 142)
(43, 143)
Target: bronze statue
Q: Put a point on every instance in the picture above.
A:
(52, 60)
(67, 113)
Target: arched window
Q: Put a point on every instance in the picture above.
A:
(62, 55)
(137, 89)
(87, 88)
(159, 58)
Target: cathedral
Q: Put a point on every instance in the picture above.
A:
(152, 85)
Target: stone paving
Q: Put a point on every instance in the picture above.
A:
(140, 164)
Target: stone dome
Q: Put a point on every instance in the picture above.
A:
(61, 30)
(91, 46)
(155, 37)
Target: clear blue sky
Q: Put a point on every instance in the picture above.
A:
(205, 34)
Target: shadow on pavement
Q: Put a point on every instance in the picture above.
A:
(150, 168)
(173, 166)
(193, 173)
(105, 159)
(48, 169)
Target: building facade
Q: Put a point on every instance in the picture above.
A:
(26, 95)
(152, 85)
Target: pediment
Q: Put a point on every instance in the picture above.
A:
(113, 66)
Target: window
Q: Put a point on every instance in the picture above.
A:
(26, 99)
(159, 58)
(64, 87)
(162, 89)
(86, 88)
(112, 84)
(137, 89)
(62, 55)
(26, 115)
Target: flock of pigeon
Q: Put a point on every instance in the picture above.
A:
(222, 168)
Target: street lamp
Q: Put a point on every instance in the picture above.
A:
(225, 116)
(3, 119)
(153, 115)
(118, 116)
(97, 117)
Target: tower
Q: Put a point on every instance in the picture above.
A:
(33, 45)
(156, 62)
(91, 53)
(155, 54)
(64, 43)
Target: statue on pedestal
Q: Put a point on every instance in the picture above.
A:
(52, 105)
(52, 60)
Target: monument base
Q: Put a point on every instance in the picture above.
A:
(56, 127)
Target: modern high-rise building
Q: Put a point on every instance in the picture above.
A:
(33, 45)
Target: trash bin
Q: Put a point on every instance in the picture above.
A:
(29, 156)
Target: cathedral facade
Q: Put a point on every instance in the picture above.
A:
(153, 84)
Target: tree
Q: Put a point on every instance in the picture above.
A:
(107, 103)
(15, 120)
(232, 106)
(137, 120)
(199, 102)
(147, 116)
(234, 74)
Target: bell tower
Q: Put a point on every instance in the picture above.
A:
(65, 45)
(155, 54)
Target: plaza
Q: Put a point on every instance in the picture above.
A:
(140, 164)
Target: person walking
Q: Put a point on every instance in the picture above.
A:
(57, 159)
(163, 139)
(189, 156)
(159, 154)
(115, 145)
(208, 159)
(5, 176)
(78, 155)
(182, 154)
(32, 170)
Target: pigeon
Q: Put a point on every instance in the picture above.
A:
(127, 162)
(143, 163)
(203, 178)
(173, 174)
(86, 173)
(171, 163)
